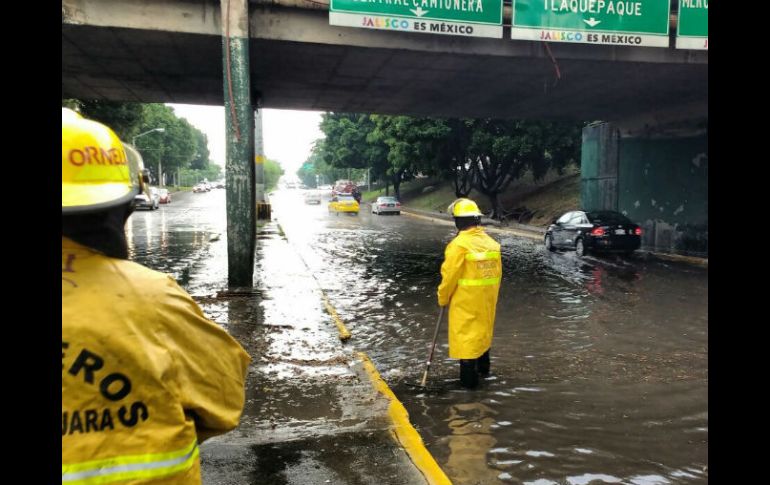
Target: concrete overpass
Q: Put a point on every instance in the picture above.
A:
(171, 51)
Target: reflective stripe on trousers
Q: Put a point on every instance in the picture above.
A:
(151, 465)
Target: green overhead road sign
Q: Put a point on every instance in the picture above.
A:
(692, 31)
(468, 18)
(616, 22)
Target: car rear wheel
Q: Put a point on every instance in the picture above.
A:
(549, 243)
(580, 248)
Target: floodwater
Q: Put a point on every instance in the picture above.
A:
(599, 365)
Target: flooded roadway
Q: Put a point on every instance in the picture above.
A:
(599, 366)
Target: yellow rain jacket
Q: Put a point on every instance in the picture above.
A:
(145, 376)
(470, 282)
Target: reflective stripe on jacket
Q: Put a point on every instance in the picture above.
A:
(145, 375)
(470, 283)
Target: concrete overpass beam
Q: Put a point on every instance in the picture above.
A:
(239, 168)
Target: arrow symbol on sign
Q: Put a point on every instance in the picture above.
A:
(418, 11)
(592, 22)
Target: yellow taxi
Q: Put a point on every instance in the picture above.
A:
(343, 203)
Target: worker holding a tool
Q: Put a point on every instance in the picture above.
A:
(470, 283)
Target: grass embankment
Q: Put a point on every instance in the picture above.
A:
(548, 198)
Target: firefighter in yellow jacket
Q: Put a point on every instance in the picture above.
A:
(470, 283)
(146, 376)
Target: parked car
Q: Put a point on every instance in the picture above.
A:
(343, 203)
(164, 196)
(313, 197)
(149, 200)
(387, 205)
(589, 231)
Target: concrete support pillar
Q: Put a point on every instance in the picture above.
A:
(239, 169)
(656, 174)
(263, 205)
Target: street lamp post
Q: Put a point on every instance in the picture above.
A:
(160, 173)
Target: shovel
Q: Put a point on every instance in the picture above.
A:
(422, 385)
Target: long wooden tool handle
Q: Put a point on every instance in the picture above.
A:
(433, 347)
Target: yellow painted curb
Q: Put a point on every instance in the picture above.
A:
(344, 333)
(515, 232)
(684, 259)
(404, 432)
(433, 219)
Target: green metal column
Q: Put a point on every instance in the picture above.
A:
(599, 167)
(241, 220)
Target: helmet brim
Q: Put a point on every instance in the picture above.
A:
(75, 199)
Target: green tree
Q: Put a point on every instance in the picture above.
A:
(178, 146)
(307, 174)
(500, 151)
(452, 156)
(325, 172)
(200, 158)
(412, 145)
(273, 172)
(349, 144)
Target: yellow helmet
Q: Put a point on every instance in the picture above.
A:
(464, 208)
(95, 172)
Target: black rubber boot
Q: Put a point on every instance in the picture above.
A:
(469, 377)
(483, 363)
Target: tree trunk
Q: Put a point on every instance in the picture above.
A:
(387, 186)
(493, 199)
(463, 180)
(397, 184)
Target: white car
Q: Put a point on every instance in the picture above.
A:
(386, 205)
(313, 197)
(149, 200)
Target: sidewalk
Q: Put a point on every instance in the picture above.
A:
(316, 410)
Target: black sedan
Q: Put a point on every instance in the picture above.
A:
(588, 231)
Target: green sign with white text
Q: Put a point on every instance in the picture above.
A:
(615, 22)
(692, 30)
(469, 18)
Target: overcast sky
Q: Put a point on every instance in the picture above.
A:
(288, 135)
